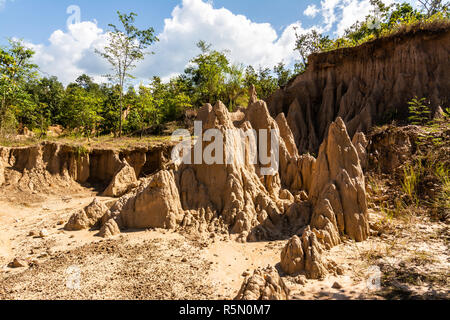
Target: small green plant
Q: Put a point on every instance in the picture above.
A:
(447, 111)
(443, 173)
(393, 212)
(420, 111)
(81, 151)
(374, 185)
(411, 180)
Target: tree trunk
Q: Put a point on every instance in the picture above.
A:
(3, 103)
(42, 128)
(121, 111)
(2, 112)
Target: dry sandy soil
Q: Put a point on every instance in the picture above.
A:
(412, 254)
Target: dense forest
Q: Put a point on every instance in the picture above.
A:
(120, 106)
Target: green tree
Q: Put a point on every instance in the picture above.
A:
(48, 91)
(383, 19)
(159, 93)
(311, 42)
(147, 110)
(178, 98)
(125, 48)
(27, 110)
(16, 69)
(263, 80)
(131, 100)
(110, 109)
(432, 7)
(283, 74)
(82, 110)
(208, 72)
(234, 86)
(87, 83)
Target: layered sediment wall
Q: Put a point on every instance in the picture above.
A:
(366, 85)
(47, 165)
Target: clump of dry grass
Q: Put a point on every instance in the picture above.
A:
(432, 25)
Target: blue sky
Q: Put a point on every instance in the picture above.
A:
(257, 32)
(44, 16)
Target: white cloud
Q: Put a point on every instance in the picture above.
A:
(71, 53)
(329, 12)
(353, 11)
(248, 42)
(311, 11)
(3, 3)
(338, 15)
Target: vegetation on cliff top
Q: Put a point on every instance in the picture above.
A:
(385, 21)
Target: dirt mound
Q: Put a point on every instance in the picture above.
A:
(155, 204)
(366, 85)
(236, 192)
(338, 192)
(264, 284)
(123, 181)
(360, 142)
(89, 217)
(109, 229)
(303, 256)
(235, 195)
(391, 147)
(43, 168)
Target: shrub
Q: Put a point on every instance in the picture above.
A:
(8, 124)
(420, 111)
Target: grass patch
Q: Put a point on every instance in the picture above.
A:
(421, 258)
(412, 174)
(84, 144)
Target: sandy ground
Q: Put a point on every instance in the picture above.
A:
(412, 257)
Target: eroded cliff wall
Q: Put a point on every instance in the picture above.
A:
(49, 166)
(366, 85)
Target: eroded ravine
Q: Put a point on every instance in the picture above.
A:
(197, 230)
